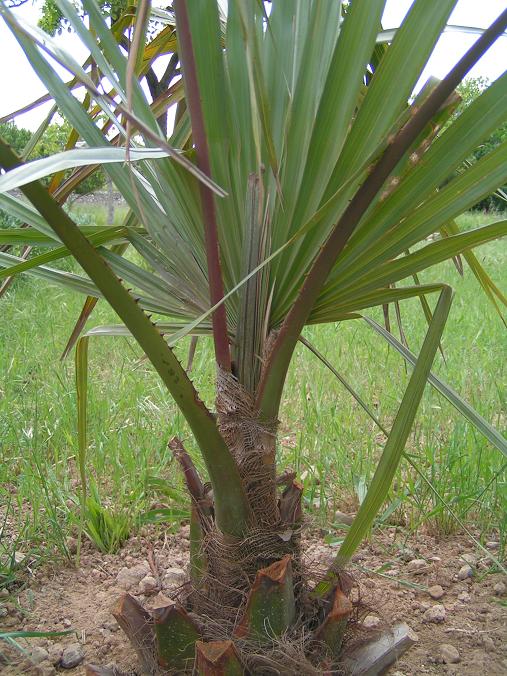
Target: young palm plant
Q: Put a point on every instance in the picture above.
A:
(299, 186)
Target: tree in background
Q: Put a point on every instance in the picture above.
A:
(53, 140)
(469, 90)
(16, 137)
(53, 21)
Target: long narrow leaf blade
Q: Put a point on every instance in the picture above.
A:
(395, 445)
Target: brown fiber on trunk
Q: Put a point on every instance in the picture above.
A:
(252, 444)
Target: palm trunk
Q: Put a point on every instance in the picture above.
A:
(230, 563)
(245, 592)
(247, 608)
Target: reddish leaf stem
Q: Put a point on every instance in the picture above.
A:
(216, 286)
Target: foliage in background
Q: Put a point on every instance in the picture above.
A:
(53, 21)
(469, 90)
(17, 137)
(53, 140)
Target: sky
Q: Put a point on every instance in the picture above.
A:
(19, 85)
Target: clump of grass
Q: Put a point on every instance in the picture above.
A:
(107, 528)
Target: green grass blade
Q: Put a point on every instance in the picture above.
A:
(66, 279)
(375, 298)
(494, 294)
(89, 41)
(37, 135)
(26, 214)
(391, 86)
(166, 328)
(88, 307)
(81, 366)
(345, 384)
(482, 425)
(32, 236)
(70, 159)
(436, 252)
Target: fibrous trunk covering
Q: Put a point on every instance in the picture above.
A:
(247, 608)
(232, 564)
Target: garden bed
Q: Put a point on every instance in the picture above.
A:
(468, 614)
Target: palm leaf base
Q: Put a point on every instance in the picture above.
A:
(247, 608)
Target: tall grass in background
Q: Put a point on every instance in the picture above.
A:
(326, 436)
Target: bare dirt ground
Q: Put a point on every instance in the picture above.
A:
(421, 586)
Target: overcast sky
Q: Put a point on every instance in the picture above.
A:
(19, 85)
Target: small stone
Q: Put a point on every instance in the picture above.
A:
(471, 559)
(174, 577)
(72, 656)
(435, 559)
(55, 653)
(499, 589)
(46, 669)
(435, 614)
(406, 554)
(371, 622)
(487, 642)
(3, 611)
(464, 597)
(111, 625)
(416, 565)
(4, 594)
(185, 532)
(341, 517)
(147, 585)
(71, 545)
(436, 592)
(161, 601)
(493, 545)
(67, 623)
(8, 622)
(449, 653)
(465, 572)
(130, 577)
(19, 557)
(38, 655)
(392, 572)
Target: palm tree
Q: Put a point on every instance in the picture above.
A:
(299, 186)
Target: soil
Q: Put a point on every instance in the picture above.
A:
(475, 622)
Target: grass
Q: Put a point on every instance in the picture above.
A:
(324, 434)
